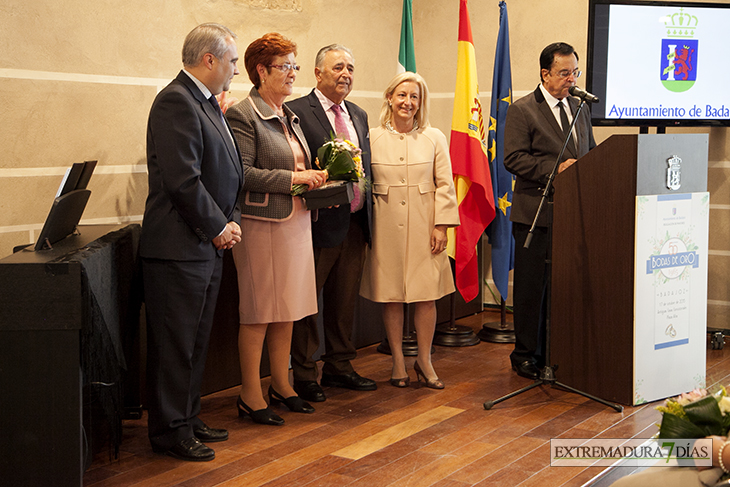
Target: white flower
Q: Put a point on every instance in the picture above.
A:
(689, 397)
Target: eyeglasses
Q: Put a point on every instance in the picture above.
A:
(286, 67)
(565, 73)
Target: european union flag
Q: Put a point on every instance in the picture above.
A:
(500, 230)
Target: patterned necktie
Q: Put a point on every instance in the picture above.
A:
(340, 125)
(566, 124)
(217, 108)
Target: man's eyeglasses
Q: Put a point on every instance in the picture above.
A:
(286, 67)
(565, 73)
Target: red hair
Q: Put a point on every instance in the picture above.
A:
(263, 50)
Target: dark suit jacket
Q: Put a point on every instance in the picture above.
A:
(532, 142)
(195, 176)
(330, 228)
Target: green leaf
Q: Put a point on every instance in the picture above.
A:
(675, 427)
(341, 163)
(706, 414)
(323, 154)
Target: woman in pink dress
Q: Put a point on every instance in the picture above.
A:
(274, 261)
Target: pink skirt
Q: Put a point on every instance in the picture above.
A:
(275, 266)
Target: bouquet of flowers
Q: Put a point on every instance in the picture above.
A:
(342, 161)
(695, 414)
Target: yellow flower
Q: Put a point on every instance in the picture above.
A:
(724, 404)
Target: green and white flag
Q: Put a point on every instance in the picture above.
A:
(406, 53)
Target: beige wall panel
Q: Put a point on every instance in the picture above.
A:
(719, 228)
(435, 35)
(718, 316)
(113, 38)
(441, 112)
(718, 184)
(26, 200)
(11, 240)
(372, 106)
(533, 25)
(719, 146)
(718, 287)
(57, 123)
(367, 30)
(116, 195)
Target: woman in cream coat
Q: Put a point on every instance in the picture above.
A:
(414, 203)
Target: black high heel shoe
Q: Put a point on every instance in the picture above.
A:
(261, 416)
(402, 382)
(295, 403)
(430, 383)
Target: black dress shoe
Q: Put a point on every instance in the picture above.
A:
(527, 369)
(191, 450)
(295, 403)
(349, 381)
(309, 390)
(210, 435)
(261, 416)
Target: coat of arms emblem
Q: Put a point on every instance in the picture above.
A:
(674, 173)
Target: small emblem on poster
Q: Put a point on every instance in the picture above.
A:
(674, 173)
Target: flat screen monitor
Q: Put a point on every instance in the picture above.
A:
(658, 63)
(68, 206)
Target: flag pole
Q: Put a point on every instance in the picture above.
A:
(498, 332)
(450, 334)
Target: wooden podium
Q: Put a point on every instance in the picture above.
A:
(629, 271)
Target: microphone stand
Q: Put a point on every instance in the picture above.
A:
(547, 374)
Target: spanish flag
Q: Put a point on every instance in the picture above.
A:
(470, 165)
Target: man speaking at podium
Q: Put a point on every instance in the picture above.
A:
(536, 128)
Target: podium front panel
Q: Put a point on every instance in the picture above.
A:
(671, 294)
(653, 163)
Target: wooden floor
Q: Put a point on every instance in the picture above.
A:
(398, 437)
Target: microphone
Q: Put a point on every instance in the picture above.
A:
(583, 94)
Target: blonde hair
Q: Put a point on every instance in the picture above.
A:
(386, 111)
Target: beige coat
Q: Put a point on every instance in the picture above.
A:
(413, 190)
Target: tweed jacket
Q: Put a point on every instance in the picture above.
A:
(532, 142)
(267, 159)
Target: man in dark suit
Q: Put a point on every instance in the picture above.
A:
(535, 130)
(190, 218)
(339, 236)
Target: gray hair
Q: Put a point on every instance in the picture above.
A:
(205, 38)
(332, 47)
(386, 110)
